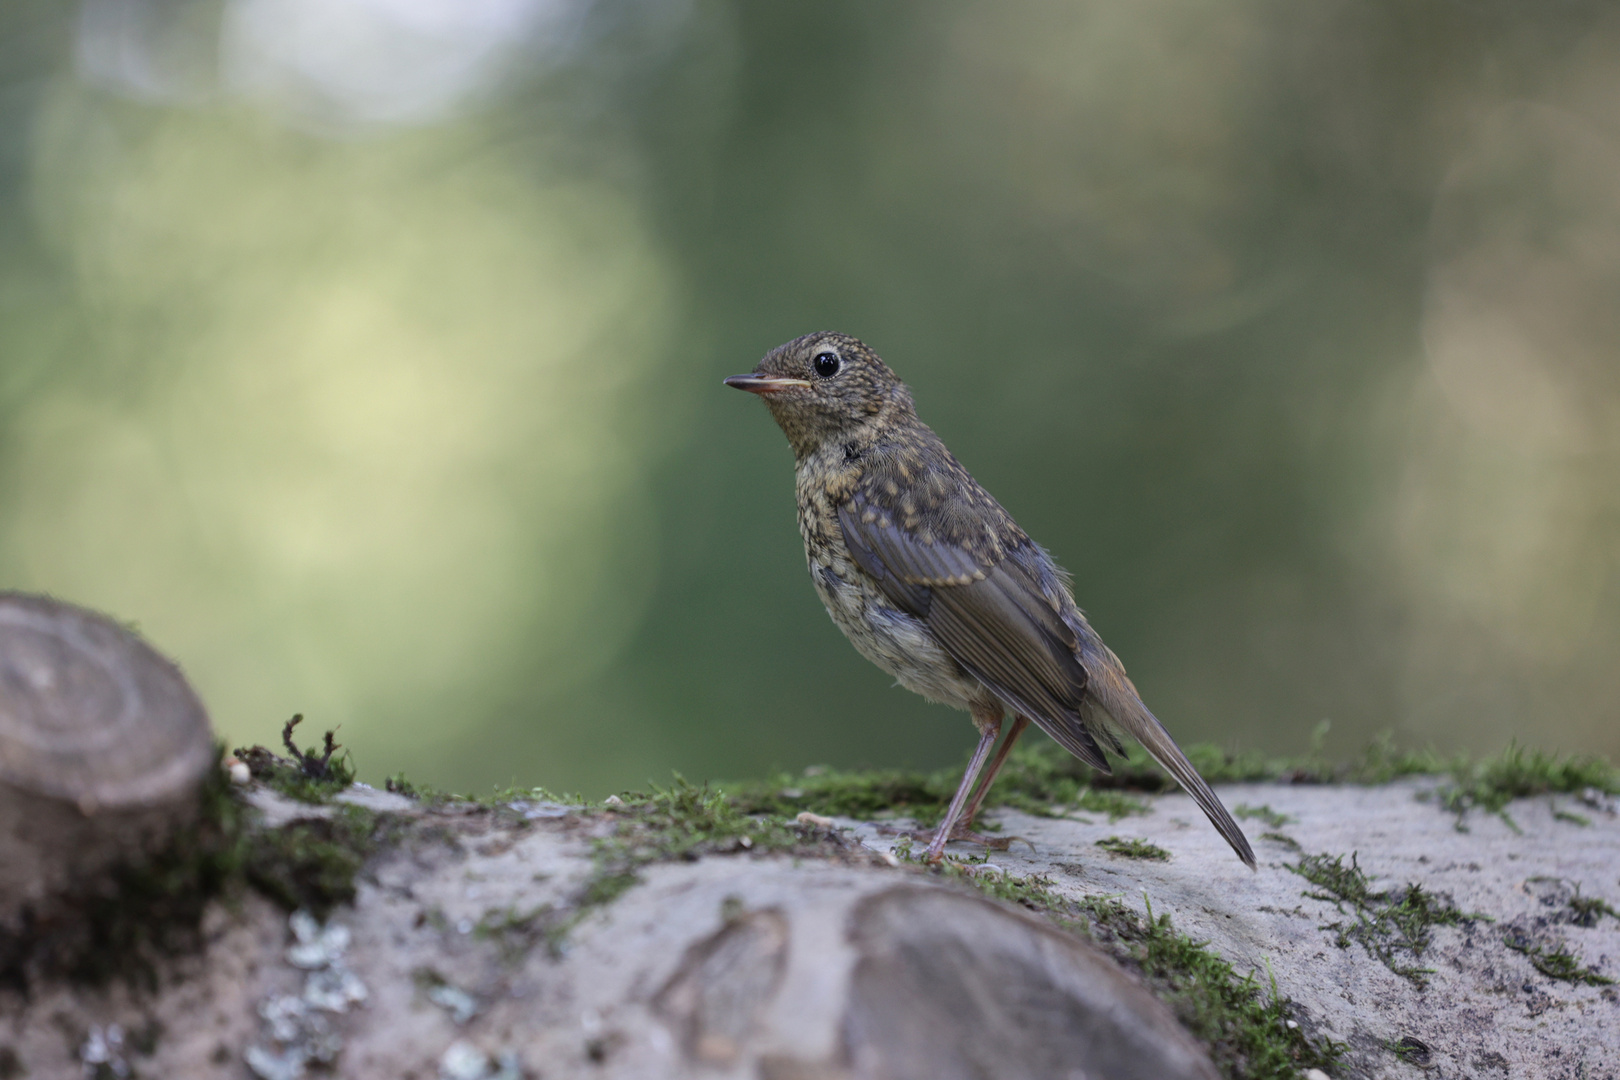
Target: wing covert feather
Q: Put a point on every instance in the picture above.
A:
(992, 619)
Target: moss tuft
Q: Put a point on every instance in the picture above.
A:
(1412, 1050)
(311, 776)
(855, 794)
(1284, 839)
(1040, 780)
(683, 821)
(1134, 849)
(508, 797)
(1264, 813)
(1389, 924)
(1518, 773)
(1381, 762)
(1555, 961)
(153, 908)
(1560, 814)
(1044, 780)
(312, 862)
(686, 818)
(515, 930)
(399, 784)
(1589, 910)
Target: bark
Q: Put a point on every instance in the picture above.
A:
(458, 958)
(534, 939)
(102, 748)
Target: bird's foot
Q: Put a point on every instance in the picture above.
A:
(936, 845)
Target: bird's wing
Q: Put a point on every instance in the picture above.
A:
(986, 609)
(943, 550)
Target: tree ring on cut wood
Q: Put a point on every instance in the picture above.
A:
(103, 746)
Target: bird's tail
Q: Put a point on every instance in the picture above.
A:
(1111, 689)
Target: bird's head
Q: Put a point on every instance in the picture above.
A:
(826, 387)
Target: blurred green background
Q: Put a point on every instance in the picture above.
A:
(367, 354)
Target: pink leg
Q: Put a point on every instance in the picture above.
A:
(972, 811)
(987, 739)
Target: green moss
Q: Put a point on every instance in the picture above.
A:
(1518, 773)
(1390, 924)
(1033, 892)
(1282, 838)
(153, 908)
(684, 821)
(497, 799)
(1134, 849)
(515, 930)
(1038, 779)
(837, 793)
(1044, 780)
(306, 789)
(1139, 772)
(1411, 1050)
(1491, 784)
(1589, 910)
(608, 885)
(312, 862)
(688, 819)
(506, 797)
(1381, 762)
(1264, 813)
(1245, 1029)
(399, 784)
(1556, 961)
(1113, 803)
(313, 775)
(1041, 778)
(147, 910)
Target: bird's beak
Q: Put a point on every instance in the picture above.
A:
(764, 384)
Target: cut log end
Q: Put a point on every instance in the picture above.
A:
(103, 747)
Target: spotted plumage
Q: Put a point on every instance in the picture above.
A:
(933, 581)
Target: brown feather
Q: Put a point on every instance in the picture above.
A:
(945, 591)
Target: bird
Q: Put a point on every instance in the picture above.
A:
(935, 583)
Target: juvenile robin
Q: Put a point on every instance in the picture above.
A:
(936, 584)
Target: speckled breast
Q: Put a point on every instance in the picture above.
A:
(894, 640)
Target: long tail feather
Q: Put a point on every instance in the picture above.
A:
(1114, 692)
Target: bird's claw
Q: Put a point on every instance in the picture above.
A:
(992, 843)
(995, 843)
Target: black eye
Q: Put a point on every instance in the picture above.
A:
(826, 364)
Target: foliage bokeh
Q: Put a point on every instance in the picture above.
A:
(366, 353)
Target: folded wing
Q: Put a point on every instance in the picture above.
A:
(985, 605)
(990, 616)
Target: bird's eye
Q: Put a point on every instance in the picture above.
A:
(826, 364)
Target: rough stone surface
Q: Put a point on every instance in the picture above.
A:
(745, 965)
(1485, 1011)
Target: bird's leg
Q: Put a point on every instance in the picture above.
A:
(989, 727)
(1019, 723)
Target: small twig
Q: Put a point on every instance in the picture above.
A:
(315, 768)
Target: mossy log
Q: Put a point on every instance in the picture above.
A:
(103, 746)
(674, 937)
(1390, 931)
